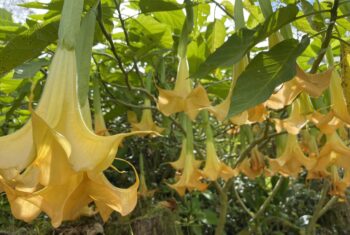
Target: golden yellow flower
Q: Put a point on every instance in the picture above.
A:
(55, 148)
(183, 98)
(214, 168)
(333, 153)
(220, 111)
(295, 122)
(312, 84)
(191, 176)
(146, 123)
(254, 166)
(292, 159)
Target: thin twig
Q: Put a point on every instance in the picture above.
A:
(245, 152)
(327, 38)
(269, 199)
(341, 40)
(122, 23)
(245, 208)
(111, 44)
(223, 9)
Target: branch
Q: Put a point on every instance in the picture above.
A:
(122, 23)
(327, 38)
(111, 43)
(245, 152)
(223, 9)
(269, 199)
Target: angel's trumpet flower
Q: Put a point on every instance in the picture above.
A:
(333, 153)
(191, 176)
(214, 168)
(221, 110)
(339, 184)
(301, 109)
(59, 116)
(338, 101)
(146, 123)
(292, 159)
(254, 166)
(183, 98)
(338, 114)
(312, 84)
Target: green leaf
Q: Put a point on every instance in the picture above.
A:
(216, 33)
(264, 73)
(28, 70)
(152, 32)
(244, 39)
(159, 5)
(28, 44)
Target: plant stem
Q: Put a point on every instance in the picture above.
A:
(111, 44)
(311, 228)
(269, 199)
(223, 209)
(246, 209)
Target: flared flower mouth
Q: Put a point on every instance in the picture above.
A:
(191, 177)
(291, 160)
(254, 166)
(146, 123)
(214, 168)
(313, 84)
(57, 148)
(183, 98)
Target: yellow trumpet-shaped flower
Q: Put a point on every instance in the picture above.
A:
(146, 123)
(55, 148)
(339, 184)
(254, 166)
(191, 176)
(292, 159)
(220, 111)
(312, 84)
(338, 114)
(295, 122)
(183, 98)
(338, 101)
(214, 168)
(333, 153)
(179, 164)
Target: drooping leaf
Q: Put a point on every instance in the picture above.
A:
(264, 73)
(243, 40)
(28, 44)
(159, 5)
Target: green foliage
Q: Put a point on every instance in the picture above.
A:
(244, 39)
(265, 72)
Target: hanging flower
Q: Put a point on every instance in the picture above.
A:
(295, 122)
(334, 152)
(312, 84)
(254, 166)
(146, 123)
(292, 159)
(190, 178)
(214, 168)
(56, 148)
(183, 98)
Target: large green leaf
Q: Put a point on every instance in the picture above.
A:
(244, 39)
(159, 5)
(28, 44)
(264, 73)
